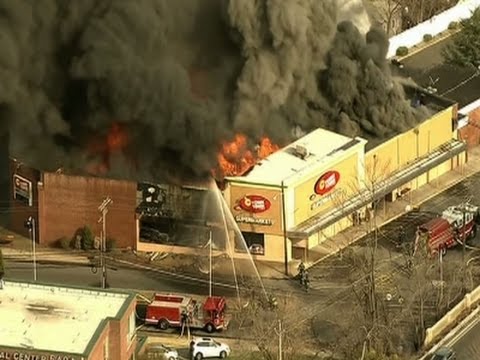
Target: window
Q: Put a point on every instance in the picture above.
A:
(254, 243)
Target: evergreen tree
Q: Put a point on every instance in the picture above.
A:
(465, 49)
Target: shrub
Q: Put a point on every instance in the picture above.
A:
(111, 244)
(453, 25)
(427, 37)
(65, 243)
(402, 51)
(87, 237)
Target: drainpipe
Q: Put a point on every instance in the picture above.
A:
(284, 224)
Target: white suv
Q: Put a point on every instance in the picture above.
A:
(204, 347)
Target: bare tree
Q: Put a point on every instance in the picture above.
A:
(408, 13)
(274, 326)
(417, 11)
(373, 333)
(427, 286)
(388, 11)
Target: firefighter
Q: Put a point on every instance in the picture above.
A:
(306, 281)
(301, 271)
(184, 322)
(401, 236)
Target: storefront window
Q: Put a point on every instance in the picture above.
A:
(253, 242)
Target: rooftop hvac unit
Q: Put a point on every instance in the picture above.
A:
(301, 151)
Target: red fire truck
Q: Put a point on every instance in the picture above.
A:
(449, 230)
(167, 310)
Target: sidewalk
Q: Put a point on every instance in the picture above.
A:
(19, 248)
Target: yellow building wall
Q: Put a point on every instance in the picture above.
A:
(274, 249)
(307, 202)
(331, 231)
(436, 131)
(381, 160)
(405, 148)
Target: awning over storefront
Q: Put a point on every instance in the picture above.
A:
(395, 180)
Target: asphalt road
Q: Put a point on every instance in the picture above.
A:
(464, 339)
(426, 68)
(467, 347)
(121, 278)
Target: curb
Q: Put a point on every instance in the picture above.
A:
(48, 262)
(395, 217)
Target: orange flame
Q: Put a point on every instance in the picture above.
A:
(117, 138)
(115, 141)
(235, 158)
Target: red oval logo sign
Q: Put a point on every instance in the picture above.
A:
(327, 182)
(254, 203)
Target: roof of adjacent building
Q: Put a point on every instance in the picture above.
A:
(284, 165)
(426, 68)
(53, 318)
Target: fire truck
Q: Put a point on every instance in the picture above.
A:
(167, 310)
(449, 229)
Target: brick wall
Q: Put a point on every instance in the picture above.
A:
(115, 333)
(98, 350)
(127, 346)
(19, 211)
(471, 132)
(70, 202)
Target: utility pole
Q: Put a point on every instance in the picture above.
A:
(30, 225)
(103, 209)
(280, 345)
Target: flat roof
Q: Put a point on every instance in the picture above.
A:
(53, 318)
(426, 68)
(321, 145)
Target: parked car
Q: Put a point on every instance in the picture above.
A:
(204, 347)
(153, 235)
(444, 353)
(256, 249)
(162, 352)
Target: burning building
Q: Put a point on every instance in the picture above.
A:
(312, 189)
(289, 106)
(286, 201)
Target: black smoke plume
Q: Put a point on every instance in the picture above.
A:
(182, 76)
